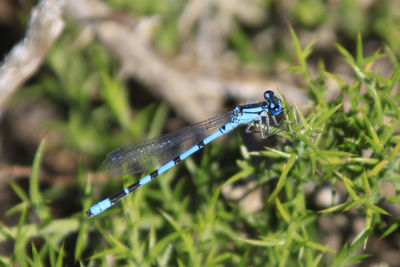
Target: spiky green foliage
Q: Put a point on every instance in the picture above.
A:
(184, 218)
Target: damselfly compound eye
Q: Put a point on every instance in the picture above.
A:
(268, 95)
(275, 107)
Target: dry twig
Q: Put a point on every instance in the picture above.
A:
(44, 26)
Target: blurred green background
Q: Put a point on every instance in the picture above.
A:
(323, 193)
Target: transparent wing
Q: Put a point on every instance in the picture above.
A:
(156, 152)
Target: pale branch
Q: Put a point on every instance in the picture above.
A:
(44, 26)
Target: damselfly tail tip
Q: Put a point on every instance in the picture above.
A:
(89, 213)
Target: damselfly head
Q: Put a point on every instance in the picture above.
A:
(274, 103)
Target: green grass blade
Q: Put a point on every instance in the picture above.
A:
(34, 191)
(282, 179)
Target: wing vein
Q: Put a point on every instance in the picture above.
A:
(158, 151)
